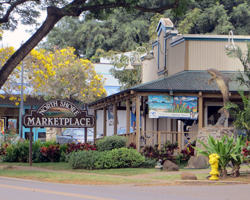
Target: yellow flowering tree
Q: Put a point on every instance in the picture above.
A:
(59, 74)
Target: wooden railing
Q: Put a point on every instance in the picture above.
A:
(151, 138)
(160, 137)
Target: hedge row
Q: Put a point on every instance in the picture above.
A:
(116, 158)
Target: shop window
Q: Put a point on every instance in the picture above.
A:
(27, 135)
(213, 115)
(42, 136)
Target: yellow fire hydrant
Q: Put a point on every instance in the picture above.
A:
(214, 160)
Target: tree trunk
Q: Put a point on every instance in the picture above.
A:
(223, 173)
(53, 16)
(235, 171)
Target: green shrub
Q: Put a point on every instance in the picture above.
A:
(116, 158)
(82, 160)
(149, 163)
(18, 152)
(63, 147)
(111, 142)
(119, 158)
(37, 156)
(48, 143)
(227, 148)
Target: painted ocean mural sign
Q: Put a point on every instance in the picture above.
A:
(166, 106)
(58, 113)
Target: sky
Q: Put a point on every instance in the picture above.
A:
(15, 38)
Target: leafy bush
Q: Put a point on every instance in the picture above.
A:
(227, 148)
(63, 147)
(17, 152)
(37, 156)
(10, 137)
(82, 160)
(245, 151)
(48, 143)
(111, 142)
(79, 147)
(3, 149)
(184, 156)
(166, 152)
(132, 145)
(149, 163)
(119, 158)
(52, 152)
(41, 151)
(116, 158)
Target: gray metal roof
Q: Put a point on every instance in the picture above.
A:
(188, 81)
(184, 81)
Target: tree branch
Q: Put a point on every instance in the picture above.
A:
(75, 9)
(53, 16)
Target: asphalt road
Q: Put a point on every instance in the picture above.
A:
(12, 189)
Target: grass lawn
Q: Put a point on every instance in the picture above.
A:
(64, 166)
(49, 165)
(100, 177)
(68, 178)
(174, 177)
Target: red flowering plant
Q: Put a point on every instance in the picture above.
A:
(166, 152)
(132, 145)
(246, 152)
(185, 155)
(3, 149)
(80, 147)
(52, 152)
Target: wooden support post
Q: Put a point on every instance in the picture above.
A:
(128, 116)
(179, 142)
(159, 140)
(200, 117)
(30, 152)
(86, 134)
(137, 101)
(95, 127)
(104, 122)
(115, 118)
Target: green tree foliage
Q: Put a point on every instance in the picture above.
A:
(26, 11)
(241, 113)
(118, 33)
(189, 21)
(216, 17)
(126, 78)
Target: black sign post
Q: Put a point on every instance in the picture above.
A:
(57, 113)
(30, 152)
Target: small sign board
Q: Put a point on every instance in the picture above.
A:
(175, 107)
(58, 113)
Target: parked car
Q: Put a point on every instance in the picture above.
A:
(76, 135)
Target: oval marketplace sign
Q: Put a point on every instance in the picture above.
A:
(58, 113)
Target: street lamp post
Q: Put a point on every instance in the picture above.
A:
(137, 61)
(21, 104)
